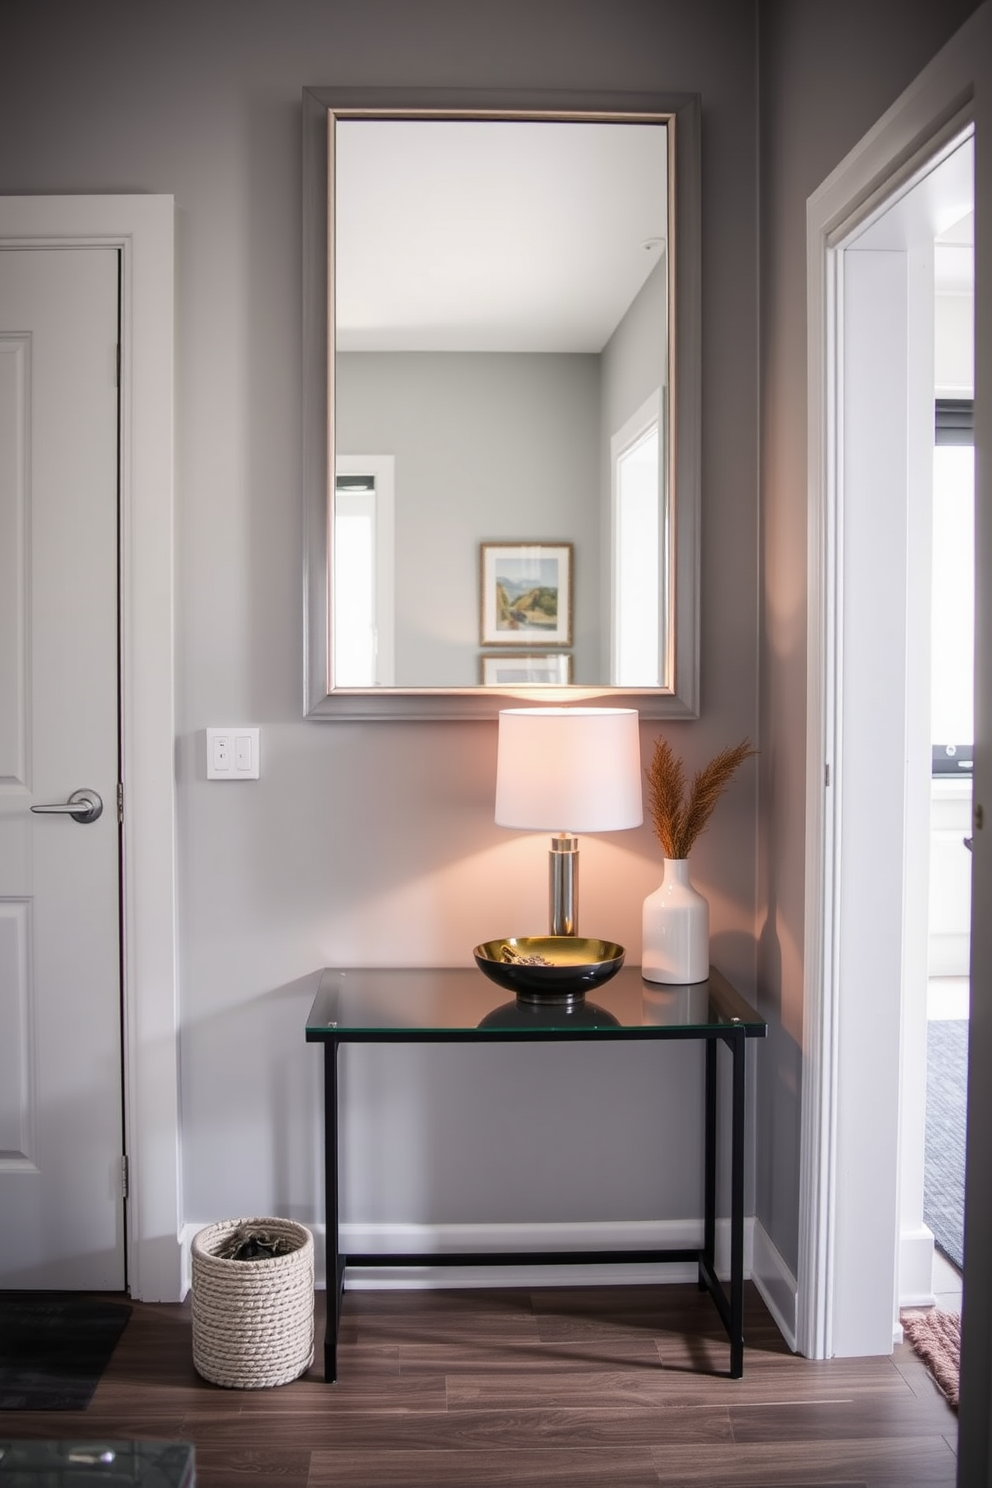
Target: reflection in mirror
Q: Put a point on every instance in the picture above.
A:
(639, 546)
(363, 575)
(500, 307)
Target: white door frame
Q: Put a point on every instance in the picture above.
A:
(877, 694)
(955, 89)
(142, 228)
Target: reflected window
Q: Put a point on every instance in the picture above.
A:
(363, 623)
(636, 547)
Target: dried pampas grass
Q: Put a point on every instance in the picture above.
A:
(679, 818)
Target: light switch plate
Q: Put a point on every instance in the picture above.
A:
(232, 753)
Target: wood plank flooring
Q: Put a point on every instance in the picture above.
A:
(610, 1387)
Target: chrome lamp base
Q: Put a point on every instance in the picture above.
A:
(563, 882)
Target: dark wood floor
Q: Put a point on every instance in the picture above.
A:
(611, 1387)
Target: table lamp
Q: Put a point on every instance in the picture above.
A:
(568, 770)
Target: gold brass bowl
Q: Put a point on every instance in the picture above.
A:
(549, 968)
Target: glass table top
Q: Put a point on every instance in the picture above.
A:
(425, 1004)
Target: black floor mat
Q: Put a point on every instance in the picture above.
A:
(53, 1349)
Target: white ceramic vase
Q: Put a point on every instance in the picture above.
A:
(675, 945)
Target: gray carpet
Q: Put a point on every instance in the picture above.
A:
(943, 1183)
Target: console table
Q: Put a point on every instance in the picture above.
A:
(461, 1006)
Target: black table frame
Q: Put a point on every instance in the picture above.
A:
(730, 1306)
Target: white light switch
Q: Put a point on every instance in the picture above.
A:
(232, 754)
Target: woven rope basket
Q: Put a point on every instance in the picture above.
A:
(252, 1320)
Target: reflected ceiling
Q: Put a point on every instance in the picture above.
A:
(462, 240)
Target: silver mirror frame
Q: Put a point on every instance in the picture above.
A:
(321, 106)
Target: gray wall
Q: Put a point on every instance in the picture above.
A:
(489, 447)
(375, 843)
(828, 72)
(635, 359)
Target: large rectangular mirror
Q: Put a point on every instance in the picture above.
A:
(501, 402)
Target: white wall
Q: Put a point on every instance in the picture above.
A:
(375, 843)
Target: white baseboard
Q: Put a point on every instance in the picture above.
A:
(916, 1269)
(383, 1239)
(949, 955)
(775, 1282)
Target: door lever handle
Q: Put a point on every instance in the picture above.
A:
(83, 806)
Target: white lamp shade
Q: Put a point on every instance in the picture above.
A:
(569, 769)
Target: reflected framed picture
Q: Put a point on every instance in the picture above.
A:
(525, 594)
(526, 669)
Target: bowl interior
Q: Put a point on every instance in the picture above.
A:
(549, 951)
(550, 964)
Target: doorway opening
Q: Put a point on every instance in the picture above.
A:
(867, 1249)
(952, 736)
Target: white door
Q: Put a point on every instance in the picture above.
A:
(61, 1141)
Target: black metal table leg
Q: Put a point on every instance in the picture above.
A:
(333, 1265)
(738, 1051)
(709, 1168)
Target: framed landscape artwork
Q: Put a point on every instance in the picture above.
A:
(526, 669)
(525, 594)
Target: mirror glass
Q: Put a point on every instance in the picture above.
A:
(505, 511)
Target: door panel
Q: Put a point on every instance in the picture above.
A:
(61, 1208)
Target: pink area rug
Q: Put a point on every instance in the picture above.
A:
(936, 1337)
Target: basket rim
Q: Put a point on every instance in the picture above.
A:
(288, 1228)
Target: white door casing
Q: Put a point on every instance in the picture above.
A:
(61, 1137)
(141, 229)
(864, 1235)
(881, 783)
(876, 742)
(953, 91)
(881, 692)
